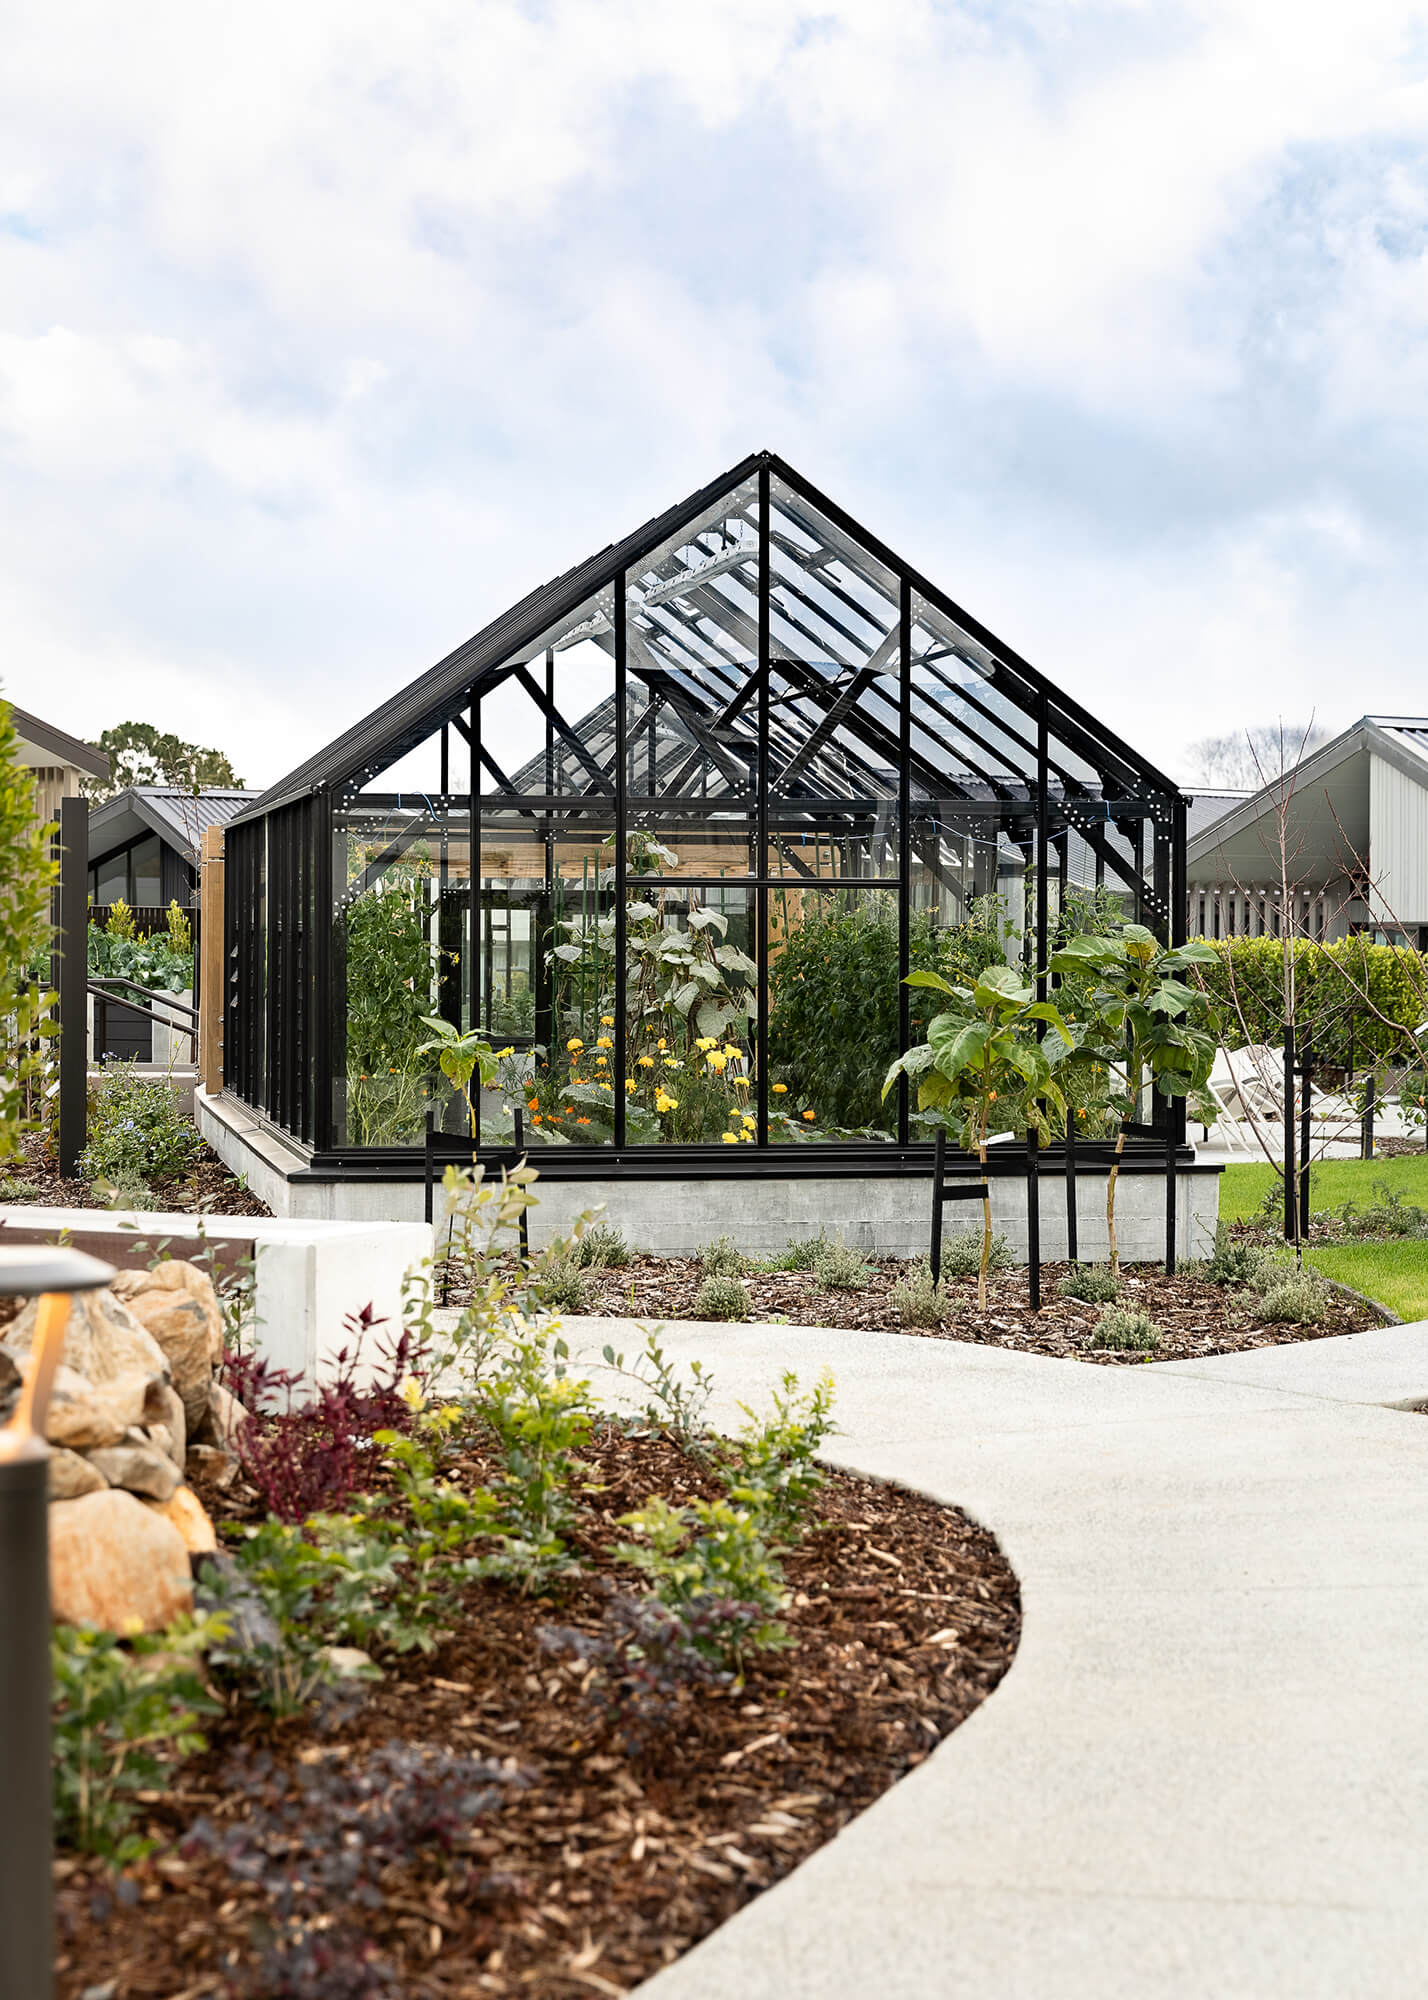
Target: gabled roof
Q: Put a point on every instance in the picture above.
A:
(57, 745)
(1401, 740)
(444, 690)
(178, 817)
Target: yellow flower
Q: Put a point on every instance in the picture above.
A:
(808, 1114)
(506, 1051)
(599, 1062)
(607, 1020)
(748, 1135)
(646, 1062)
(660, 1043)
(731, 1138)
(780, 1090)
(717, 1063)
(666, 1103)
(749, 1118)
(575, 1043)
(704, 1043)
(603, 1042)
(732, 1052)
(670, 1063)
(631, 1083)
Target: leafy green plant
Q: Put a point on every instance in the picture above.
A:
(14, 1188)
(1146, 1024)
(602, 1247)
(841, 1268)
(803, 1252)
(722, 1258)
(1234, 1262)
(137, 1133)
(1296, 1298)
(675, 1407)
(1123, 1328)
(26, 876)
(1093, 1284)
(119, 925)
(964, 1253)
(983, 1068)
(721, 1298)
(704, 1556)
(460, 1055)
(562, 1286)
(392, 966)
(268, 1597)
(777, 1472)
(918, 1301)
(541, 1419)
(152, 961)
(125, 1711)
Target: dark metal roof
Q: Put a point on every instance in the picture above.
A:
(843, 718)
(177, 816)
(59, 744)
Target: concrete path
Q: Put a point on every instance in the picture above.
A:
(1207, 1771)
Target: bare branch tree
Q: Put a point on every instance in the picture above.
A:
(1239, 762)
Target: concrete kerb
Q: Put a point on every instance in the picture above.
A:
(1203, 1772)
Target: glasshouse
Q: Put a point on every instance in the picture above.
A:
(670, 834)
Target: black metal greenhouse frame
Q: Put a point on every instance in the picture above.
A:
(285, 1003)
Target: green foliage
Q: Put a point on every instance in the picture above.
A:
(149, 961)
(268, 1600)
(137, 1133)
(833, 1005)
(841, 1269)
(915, 1299)
(180, 931)
(1234, 1262)
(1123, 1328)
(562, 1285)
(119, 925)
(141, 754)
(962, 1254)
(26, 875)
(1293, 1298)
(602, 1247)
(14, 1188)
(1389, 1214)
(125, 1711)
(1355, 996)
(675, 1407)
(778, 1474)
(722, 1258)
(804, 1252)
(392, 967)
(460, 1055)
(540, 1418)
(1094, 1284)
(721, 1298)
(704, 1555)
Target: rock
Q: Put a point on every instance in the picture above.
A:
(102, 1340)
(177, 1304)
(100, 1413)
(70, 1476)
(171, 1431)
(9, 1383)
(117, 1564)
(223, 1418)
(212, 1462)
(138, 1468)
(348, 1663)
(188, 1514)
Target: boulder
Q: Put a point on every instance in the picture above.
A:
(117, 1564)
(170, 1432)
(70, 1476)
(188, 1514)
(138, 1468)
(210, 1461)
(102, 1340)
(177, 1304)
(223, 1418)
(98, 1413)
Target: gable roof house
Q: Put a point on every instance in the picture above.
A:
(1355, 815)
(144, 843)
(60, 762)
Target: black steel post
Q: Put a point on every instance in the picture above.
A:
(523, 1224)
(74, 979)
(761, 809)
(26, 1855)
(1171, 1187)
(939, 1173)
(1072, 1247)
(1291, 1210)
(904, 851)
(1306, 1072)
(426, 1165)
(623, 1054)
(1033, 1219)
(1370, 1104)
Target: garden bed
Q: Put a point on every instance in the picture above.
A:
(1196, 1318)
(206, 1188)
(603, 1852)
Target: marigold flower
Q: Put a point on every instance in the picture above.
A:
(536, 1119)
(607, 1020)
(603, 1042)
(808, 1114)
(599, 1062)
(631, 1083)
(749, 1118)
(660, 1043)
(780, 1089)
(732, 1052)
(510, 1050)
(575, 1043)
(582, 1121)
(731, 1138)
(570, 1108)
(646, 1062)
(747, 1135)
(664, 1103)
(717, 1063)
(534, 1105)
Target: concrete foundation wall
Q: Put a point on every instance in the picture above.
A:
(890, 1217)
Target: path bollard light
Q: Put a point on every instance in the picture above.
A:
(26, 1842)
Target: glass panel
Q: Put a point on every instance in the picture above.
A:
(830, 845)
(833, 1013)
(690, 842)
(690, 996)
(692, 635)
(113, 879)
(969, 865)
(144, 869)
(546, 724)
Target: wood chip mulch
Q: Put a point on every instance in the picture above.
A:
(1196, 1318)
(207, 1189)
(608, 1859)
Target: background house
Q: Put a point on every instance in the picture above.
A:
(1355, 817)
(144, 846)
(60, 762)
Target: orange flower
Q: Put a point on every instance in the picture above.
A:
(570, 1110)
(582, 1121)
(536, 1119)
(534, 1105)
(808, 1114)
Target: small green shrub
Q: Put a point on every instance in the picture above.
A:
(602, 1247)
(676, 1407)
(541, 1418)
(1124, 1328)
(124, 1713)
(778, 1473)
(721, 1298)
(1234, 1262)
(561, 1285)
(13, 1188)
(267, 1595)
(840, 1269)
(1094, 1284)
(803, 1252)
(722, 1258)
(962, 1254)
(1297, 1298)
(137, 1133)
(1390, 1214)
(918, 1301)
(710, 1558)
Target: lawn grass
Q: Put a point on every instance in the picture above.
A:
(1331, 1183)
(1394, 1273)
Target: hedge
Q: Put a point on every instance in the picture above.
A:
(1330, 982)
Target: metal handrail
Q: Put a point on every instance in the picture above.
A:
(154, 996)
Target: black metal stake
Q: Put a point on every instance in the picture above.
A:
(1172, 1188)
(1306, 1071)
(939, 1176)
(1072, 1252)
(73, 983)
(426, 1165)
(523, 1225)
(1370, 1100)
(1033, 1219)
(1291, 1211)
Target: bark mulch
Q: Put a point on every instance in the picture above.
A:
(207, 1189)
(1196, 1318)
(610, 1856)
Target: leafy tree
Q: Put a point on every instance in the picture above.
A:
(26, 875)
(1144, 1023)
(140, 754)
(983, 1063)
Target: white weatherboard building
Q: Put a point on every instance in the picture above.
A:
(1355, 817)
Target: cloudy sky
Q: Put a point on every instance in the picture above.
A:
(329, 329)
